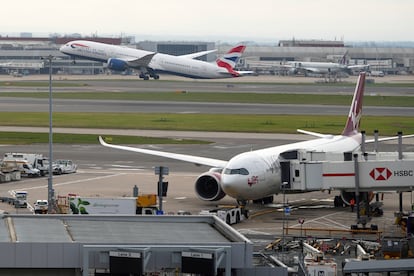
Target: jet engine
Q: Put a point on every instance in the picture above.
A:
(207, 186)
(347, 196)
(117, 64)
(293, 71)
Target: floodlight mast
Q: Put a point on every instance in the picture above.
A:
(51, 192)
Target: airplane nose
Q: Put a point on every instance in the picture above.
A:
(231, 184)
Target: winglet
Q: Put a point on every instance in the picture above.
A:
(355, 113)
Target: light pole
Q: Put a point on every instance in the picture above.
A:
(50, 191)
(284, 215)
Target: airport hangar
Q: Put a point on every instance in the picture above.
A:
(24, 54)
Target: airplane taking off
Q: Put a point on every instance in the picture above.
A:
(151, 64)
(323, 67)
(257, 175)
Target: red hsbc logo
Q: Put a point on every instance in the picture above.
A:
(380, 174)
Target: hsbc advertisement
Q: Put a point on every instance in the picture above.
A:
(391, 174)
(397, 175)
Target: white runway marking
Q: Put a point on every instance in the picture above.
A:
(75, 182)
(319, 220)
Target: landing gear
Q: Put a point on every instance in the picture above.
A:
(149, 74)
(144, 76)
(338, 202)
(265, 200)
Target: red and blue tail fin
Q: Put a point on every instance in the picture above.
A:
(230, 59)
(355, 113)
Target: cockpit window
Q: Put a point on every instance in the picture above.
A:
(241, 171)
(289, 155)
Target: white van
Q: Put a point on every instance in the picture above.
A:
(376, 74)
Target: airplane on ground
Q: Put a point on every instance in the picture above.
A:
(151, 64)
(257, 174)
(325, 68)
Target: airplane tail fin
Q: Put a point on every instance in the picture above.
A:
(355, 112)
(230, 59)
(343, 59)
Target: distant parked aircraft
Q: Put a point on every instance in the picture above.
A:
(325, 68)
(151, 64)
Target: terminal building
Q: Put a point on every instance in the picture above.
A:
(124, 245)
(23, 55)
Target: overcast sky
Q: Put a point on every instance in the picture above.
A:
(213, 20)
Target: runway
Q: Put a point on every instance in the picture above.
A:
(248, 84)
(9, 104)
(240, 85)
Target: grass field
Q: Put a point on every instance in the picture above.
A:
(202, 122)
(194, 122)
(223, 97)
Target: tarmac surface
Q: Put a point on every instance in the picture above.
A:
(167, 83)
(107, 172)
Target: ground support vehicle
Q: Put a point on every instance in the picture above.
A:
(35, 160)
(40, 206)
(229, 214)
(41, 163)
(147, 204)
(64, 166)
(25, 168)
(19, 199)
(142, 205)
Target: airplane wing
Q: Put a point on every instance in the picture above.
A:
(141, 62)
(197, 160)
(362, 66)
(198, 54)
(235, 73)
(388, 138)
(310, 69)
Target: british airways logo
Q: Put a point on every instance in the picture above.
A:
(76, 45)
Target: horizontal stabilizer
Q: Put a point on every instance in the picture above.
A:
(316, 134)
(388, 138)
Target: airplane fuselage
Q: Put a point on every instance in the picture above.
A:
(161, 63)
(257, 174)
(318, 67)
(186, 67)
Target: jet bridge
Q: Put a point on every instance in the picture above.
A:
(375, 171)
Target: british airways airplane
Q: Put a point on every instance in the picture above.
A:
(151, 64)
(257, 175)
